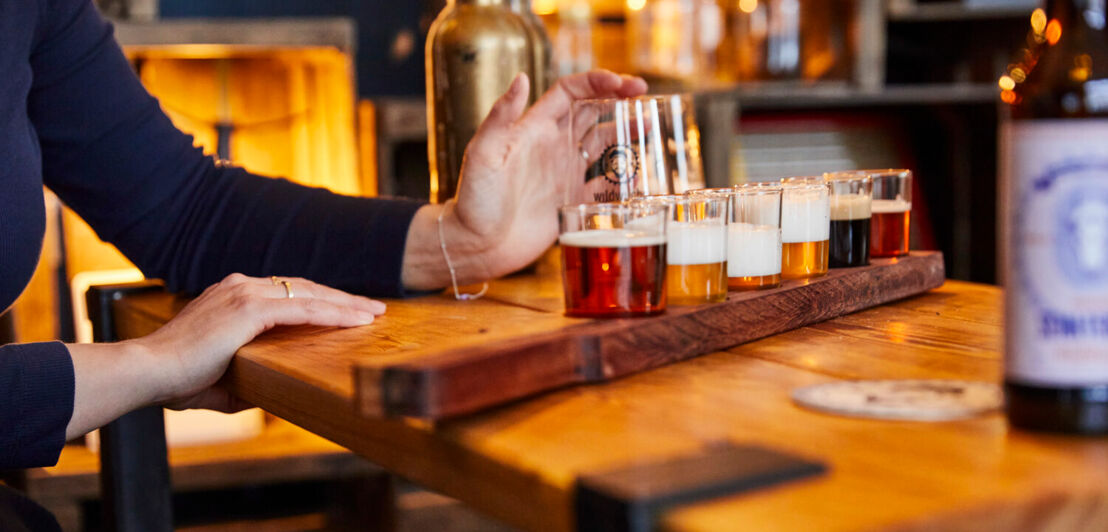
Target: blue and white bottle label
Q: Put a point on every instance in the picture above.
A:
(1056, 175)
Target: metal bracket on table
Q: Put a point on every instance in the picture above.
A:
(134, 470)
(633, 498)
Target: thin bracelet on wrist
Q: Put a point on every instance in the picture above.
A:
(450, 264)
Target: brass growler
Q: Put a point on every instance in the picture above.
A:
(474, 50)
(540, 45)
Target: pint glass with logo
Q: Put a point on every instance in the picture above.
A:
(613, 259)
(633, 147)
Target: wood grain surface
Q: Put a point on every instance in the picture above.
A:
(519, 462)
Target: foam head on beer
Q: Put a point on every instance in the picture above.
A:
(616, 268)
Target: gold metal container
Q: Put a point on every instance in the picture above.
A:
(474, 50)
(541, 45)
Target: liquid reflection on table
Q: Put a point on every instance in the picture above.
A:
(519, 462)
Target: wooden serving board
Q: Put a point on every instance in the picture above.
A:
(454, 378)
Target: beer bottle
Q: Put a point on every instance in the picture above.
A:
(1054, 169)
(474, 50)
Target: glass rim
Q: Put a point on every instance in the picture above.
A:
(714, 191)
(603, 206)
(684, 96)
(758, 191)
(808, 186)
(760, 185)
(848, 176)
(888, 172)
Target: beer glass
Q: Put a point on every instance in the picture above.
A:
(696, 248)
(613, 259)
(805, 229)
(633, 147)
(851, 198)
(754, 237)
(892, 211)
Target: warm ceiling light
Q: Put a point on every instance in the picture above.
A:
(635, 5)
(1006, 83)
(748, 6)
(1053, 32)
(1038, 20)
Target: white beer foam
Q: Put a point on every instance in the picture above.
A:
(850, 207)
(805, 216)
(886, 206)
(610, 238)
(753, 250)
(696, 243)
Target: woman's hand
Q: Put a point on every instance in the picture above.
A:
(514, 176)
(178, 364)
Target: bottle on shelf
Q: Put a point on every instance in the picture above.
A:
(1054, 183)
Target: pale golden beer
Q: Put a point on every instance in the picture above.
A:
(692, 284)
(801, 260)
(805, 230)
(696, 254)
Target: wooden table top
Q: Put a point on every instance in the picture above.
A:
(519, 462)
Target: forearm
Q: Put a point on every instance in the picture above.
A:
(425, 267)
(110, 380)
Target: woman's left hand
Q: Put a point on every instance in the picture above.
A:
(514, 176)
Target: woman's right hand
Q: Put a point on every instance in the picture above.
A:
(178, 364)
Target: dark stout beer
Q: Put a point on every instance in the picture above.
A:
(613, 273)
(851, 199)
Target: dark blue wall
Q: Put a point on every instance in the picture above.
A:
(379, 22)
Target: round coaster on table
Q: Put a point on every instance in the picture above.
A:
(910, 400)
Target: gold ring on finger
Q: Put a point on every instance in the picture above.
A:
(288, 289)
(275, 280)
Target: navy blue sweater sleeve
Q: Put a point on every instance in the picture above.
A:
(36, 391)
(113, 156)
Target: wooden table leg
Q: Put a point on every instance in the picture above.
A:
(134, 471)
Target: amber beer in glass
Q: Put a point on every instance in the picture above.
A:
(696, 248)
(805, 229)
(892, 212)
(613, 259)
(754, 237)
(851, 200)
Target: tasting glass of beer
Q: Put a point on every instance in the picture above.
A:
(851, 199)
(805, 229)
(754, 237)
(633, 147)
(613, 259)
(892, 211)
(696, 247)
